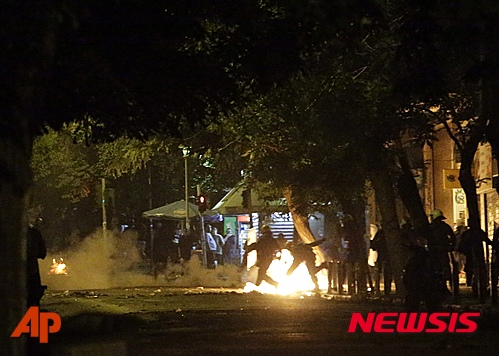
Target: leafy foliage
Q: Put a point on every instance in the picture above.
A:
(60, 165)
(163, 66)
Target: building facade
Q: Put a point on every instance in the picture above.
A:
(443, 191)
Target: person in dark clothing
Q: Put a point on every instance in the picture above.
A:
(185, 244)
(162, 249)
(36, 249)
(265, 247)
(229, 250)
(459, 256)
(353, 256)
(174, 245)
(407, 237)
(302, 252)
(441, 242)
(378, 244)
(420, 279)
(466, 247)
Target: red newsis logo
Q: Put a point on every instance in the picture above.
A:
(414, 322)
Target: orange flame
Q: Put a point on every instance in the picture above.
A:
(298, 282)
(58, 267)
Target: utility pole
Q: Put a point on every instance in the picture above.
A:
(203, 236)
(185, 151)
(103, 205)
(151, 230)
(250, 207)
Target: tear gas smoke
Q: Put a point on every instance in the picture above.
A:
(116, 261)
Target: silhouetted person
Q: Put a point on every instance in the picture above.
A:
(458, 255)
(265, 247)
(353, 255)
(378, 244)
(407, 237)
(174, 245)
(244, 262)
(229, 250)
(470, 244)
(464, 248)
(421, 281)
(302, 252)
(440, 243)
(162, 249)
(36, 249)
(185, 244)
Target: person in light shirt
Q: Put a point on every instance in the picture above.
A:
(212, 247)
(220, 241)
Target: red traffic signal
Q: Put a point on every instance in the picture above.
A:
(202, 203)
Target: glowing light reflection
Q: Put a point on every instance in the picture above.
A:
(298, 283)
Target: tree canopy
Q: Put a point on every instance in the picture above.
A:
(162, 66)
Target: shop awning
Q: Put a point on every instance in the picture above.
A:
(174, 210)
(232, 202)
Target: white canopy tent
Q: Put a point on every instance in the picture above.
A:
(175, 210)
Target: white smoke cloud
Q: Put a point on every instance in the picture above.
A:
(116, 261)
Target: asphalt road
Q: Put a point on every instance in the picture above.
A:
(167, 321)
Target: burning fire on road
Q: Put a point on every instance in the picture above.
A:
(298, 282)
(58, 266)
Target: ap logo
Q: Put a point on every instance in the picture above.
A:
(37, 324)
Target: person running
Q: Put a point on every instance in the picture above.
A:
(265, 248)
(302, 252)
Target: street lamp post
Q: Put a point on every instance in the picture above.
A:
(185, 151)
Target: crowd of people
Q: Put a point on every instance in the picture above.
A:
(172, 245)
(435, 260)
(432, 258)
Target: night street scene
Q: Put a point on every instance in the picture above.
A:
(249, 177)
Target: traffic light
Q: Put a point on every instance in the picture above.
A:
(202, 203)
(246, 198)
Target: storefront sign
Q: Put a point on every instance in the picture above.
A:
(451, 179)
